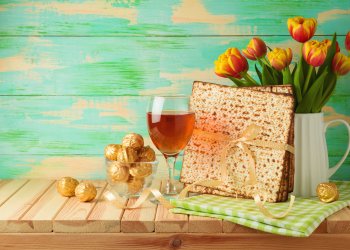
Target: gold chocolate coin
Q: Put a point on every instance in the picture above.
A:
(133, 140)
(147, 154)
(141, 170)
(327, 192)
(66, 186)
(111, 151)
(118, 172)
(135, 184)
(85, 191)
(127, 155)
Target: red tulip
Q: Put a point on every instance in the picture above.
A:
(255, 49)
(341, 64)
(302, 29)
(231, 64)
(280, 58)
(315, 52)
(347, 41)
(329, 43)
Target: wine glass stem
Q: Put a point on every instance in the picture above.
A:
(170, 185)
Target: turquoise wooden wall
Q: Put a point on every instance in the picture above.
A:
(76, 75)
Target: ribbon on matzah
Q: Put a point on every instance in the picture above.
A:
(247, 138)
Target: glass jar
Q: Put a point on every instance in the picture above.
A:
(130, 179)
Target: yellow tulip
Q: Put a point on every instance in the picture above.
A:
(231, 64)
(302, 29)
(280, 58)
(315, 52)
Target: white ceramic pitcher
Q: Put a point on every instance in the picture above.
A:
(311, 155)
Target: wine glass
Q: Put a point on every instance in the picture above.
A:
(170, 125)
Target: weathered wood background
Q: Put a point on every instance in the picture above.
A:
(76, 75)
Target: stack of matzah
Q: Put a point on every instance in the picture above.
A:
(229, 111)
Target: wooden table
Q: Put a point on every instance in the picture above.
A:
(34, 216)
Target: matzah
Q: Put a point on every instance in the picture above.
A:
(229, 111)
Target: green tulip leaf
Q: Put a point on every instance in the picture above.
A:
(238, 82)
(267, 78)
(309, 100)
(298, 82)
(330, 54)
(258, 73)
(294, 69)
(328, 88)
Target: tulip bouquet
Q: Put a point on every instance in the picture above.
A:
(313, 78)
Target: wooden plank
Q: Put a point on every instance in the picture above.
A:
(339, 222)
(107, 66)
(200, 224)
(180, 18)
(16, 207)
(105, 217)
(81, 118)
(168, 222)
(73, 217)
(230, 227)
(140, 220)
(9, 187)
(155, 241)
(40, 215)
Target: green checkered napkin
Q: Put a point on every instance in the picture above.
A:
(305, 216)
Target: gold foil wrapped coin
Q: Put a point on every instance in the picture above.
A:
(117, 172)
(85, 191)
(133, 140)
(66, 186)
(141, 170)
(147, 154)
(127, 155)
(135, 184)
(327, 192)
(111, 151)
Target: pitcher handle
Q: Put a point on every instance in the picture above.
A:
(334, 169)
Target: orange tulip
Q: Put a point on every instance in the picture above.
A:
(255, 49)
(341, 64)
(347, 41)
(231, 64)
(280, 58)
(329, 43)
(315, 52)
(302, 29)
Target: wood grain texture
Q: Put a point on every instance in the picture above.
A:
(105, 217)
(230, 227)
(154, 241)
(200, 224)
(16, 207)
(140, 220)
(9, 187)
(339, 222)
(181, 18)
(73, 217)
(40, 216)
(121, 66)
(168, 222)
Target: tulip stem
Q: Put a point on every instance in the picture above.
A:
(307, 80)
(287, 77)
(250, 80)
